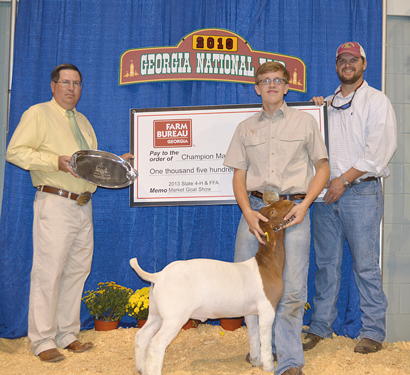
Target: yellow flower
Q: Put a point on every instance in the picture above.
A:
(139, 303)
(108, 302)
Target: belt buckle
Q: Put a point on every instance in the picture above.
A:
(270, 197)
(84, 198)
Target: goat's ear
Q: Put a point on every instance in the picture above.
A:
(264, 226)
(273, 243)
(272, 238)
(270, 235)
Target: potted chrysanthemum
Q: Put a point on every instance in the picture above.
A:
(231, 324)
(108, 303)
(138, 304)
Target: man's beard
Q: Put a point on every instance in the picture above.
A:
(349, 81)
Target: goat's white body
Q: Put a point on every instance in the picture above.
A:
(203, 289)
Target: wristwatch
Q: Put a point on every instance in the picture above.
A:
(346, 184)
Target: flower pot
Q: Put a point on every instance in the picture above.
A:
(102, 325)
(141, 322)
(191, 323)
(231, 324)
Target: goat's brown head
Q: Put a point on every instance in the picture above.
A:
(275, 213)
(271, 254)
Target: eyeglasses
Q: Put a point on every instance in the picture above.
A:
(277, 81)
(67, 84)
(346, 105)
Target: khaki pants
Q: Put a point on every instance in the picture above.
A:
(62, 253)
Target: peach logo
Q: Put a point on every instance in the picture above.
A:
(173, 133)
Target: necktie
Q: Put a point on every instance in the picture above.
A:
(82, 143)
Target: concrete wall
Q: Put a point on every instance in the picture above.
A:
(396, 246)
(4, 69)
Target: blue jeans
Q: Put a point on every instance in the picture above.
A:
(356, 217)
(287, 327)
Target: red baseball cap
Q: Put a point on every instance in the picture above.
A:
(353, 48)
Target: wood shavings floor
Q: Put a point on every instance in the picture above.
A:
(204, 350)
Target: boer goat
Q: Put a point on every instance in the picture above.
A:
(208, 289)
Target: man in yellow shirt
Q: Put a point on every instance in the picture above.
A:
(63, 224)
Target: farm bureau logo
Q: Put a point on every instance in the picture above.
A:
(173, 133)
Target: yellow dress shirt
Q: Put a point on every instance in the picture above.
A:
(43, 134)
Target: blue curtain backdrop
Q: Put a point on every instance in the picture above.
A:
(92, 34)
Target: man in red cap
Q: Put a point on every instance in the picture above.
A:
(362, 140)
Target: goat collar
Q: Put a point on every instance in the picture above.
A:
(282, 224)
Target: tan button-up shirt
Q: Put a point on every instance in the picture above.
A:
(44, 133)
(278, 152)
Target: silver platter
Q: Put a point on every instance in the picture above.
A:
(103, 168)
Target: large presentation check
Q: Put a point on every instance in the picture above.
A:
(179, 152)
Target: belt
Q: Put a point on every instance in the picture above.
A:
(81, 199)
(368, 179)
(290, 197)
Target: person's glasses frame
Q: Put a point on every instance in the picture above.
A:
(66, 84)
(277, 81)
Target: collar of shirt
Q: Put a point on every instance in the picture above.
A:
(345, 98)
(279, 113)
(61, 109)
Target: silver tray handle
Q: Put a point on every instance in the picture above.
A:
(132, 174)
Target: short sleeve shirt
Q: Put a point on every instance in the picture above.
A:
(277, 152)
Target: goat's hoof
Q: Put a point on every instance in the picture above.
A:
(254, 362)
(270, 367)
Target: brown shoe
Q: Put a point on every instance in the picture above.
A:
(248, 357)
(293, 371)
(312, 341)
(77, 347)
(51, 355)
(366, 346)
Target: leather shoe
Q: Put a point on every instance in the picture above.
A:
(51, 355)
(248, 357)
(311, 341)
(77, 347)
(293, 371)
(366, 346)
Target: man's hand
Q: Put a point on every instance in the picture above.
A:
(252, 218)
(127, 157)
(335, 190)
(298, 212)
(64, 166)
(319, 100)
